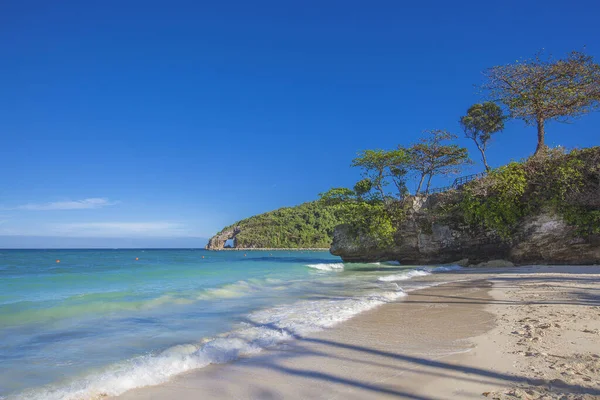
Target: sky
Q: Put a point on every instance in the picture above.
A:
(157, 123)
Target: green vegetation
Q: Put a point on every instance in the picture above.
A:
(370, 210)
(480, 123)
(366, 216)
(567, 183)
(309, 225)
(543, 89)
(432, 156)
(380, 167)
(535, 91)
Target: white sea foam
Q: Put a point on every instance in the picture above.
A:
(260, 330)
(417, 272)
(446, 268)
(327, 266)
(404, 276)
(236, 289)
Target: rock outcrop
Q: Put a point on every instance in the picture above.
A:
(218, 241)
(425, 238)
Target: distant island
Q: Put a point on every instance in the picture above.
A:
(543, 210)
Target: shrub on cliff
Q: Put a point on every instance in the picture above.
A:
(567, 183)
(365, 216)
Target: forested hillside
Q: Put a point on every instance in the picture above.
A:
(309, 225)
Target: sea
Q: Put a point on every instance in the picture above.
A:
(79, 324)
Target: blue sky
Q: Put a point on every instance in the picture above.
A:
(161, 122)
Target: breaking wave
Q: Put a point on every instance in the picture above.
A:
(260, 330)
(417, 272)
(327, 267)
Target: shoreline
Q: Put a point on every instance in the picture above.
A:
(272, 249)
(458, 340)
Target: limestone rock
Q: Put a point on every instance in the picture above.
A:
(424, 238)
(218, 241)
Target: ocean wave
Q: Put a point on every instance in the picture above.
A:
(231, 290)
(260, 330)
(404, 276)
(446, 268)
(327, 267)
(418, 272)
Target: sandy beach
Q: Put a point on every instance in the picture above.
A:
(508, 333)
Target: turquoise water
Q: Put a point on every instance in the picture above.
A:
(100, 322)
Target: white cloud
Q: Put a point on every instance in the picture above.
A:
(121, 229)
(95, 202)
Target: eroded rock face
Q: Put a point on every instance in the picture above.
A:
(547, 239)
(218, 241)
(425, 238)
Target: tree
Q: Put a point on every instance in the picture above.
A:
(362, 187)
(543, 89)
(480, 123)
(432, 157)
(379, 166)
(335, 196)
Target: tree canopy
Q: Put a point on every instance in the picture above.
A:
(432, 155)
(543, 89)
(381, 167)
(309, 225)
(480, 123)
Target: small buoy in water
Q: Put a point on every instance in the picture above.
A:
(136, 259)
(57, 261)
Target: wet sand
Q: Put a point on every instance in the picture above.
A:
(505, 333)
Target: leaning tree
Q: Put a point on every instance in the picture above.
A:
(480, 123)
(544, 89)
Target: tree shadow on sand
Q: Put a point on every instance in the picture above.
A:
(359, 354)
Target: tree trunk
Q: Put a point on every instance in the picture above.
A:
(482, 151)
(541, 146)
(420, 184)
(428, 182)
(381, 191)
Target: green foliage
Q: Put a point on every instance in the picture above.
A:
(363, 187)
(335, 196)
(369, 219)
(480, 123)
(372, 212)
(498, 202)
(587, 221)
(433, 156)
(567, 183)
(309, 225)
(381, 167)
(543, 89)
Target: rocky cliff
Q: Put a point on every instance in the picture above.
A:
(542, 211)
(423, 239)
(218, 241)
